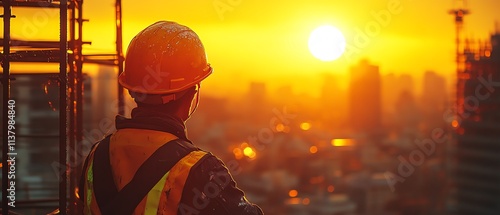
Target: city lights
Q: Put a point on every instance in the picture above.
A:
(305, 126)
(293, 193)
(313, 149)
(244, 145)
(249, 152)
(238, 154)
(343, 142)
(306, 201)
(280, 127)
(487, 53)
(330, 188)
(244, 151)
(293, 201)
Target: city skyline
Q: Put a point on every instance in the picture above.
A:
(278, 53)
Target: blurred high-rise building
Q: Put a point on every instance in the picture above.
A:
(476, 179)
(256, 103)
(406, 83)
(407, 112)
(392, 88)
(434, 99)
(333, 102)
(434, 89)
(389, 94)
(365, 98)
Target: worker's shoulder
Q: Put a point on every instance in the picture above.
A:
(209, 169)
(210, 164)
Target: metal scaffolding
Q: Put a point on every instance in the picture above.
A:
(67, 52)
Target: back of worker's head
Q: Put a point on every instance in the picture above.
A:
(164, 65)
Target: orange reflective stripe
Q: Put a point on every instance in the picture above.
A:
(172, 192)
(141, 207)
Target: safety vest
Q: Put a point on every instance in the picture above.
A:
(132, 154)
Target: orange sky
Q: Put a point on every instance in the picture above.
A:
(267, 40)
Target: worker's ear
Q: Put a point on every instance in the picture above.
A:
(195, 100)
(189, 103)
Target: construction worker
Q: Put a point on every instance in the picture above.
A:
(148, 166)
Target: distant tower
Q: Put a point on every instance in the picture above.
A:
(459, 12)
(365, 97)
(258, 102)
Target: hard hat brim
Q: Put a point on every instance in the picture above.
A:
(122, 80)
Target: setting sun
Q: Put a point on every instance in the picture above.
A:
(327, 43)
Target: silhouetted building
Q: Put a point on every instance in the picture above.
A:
(407, 113)
(256, 104)
(365, 99)
(333, 102)
(406, 83)
(434, 99)
(257, 92)
(393, 86)
(477, 175)
(389, 95)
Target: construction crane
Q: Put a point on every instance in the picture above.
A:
(459, 11)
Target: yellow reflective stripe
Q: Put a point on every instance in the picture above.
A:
(90, 206)
(89, 186)
(153, 198)
(176, 181)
